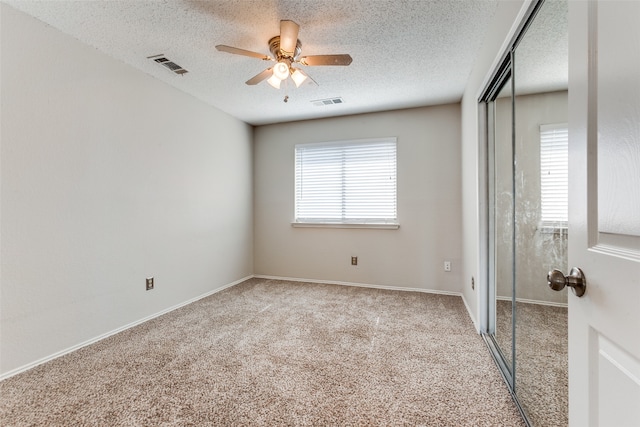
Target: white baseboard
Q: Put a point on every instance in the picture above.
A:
(192, 300)
(391, 288)
(115, 331)
(534, 301)
(361, 285)
(473, 318)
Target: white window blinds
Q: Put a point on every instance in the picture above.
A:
(554, 177)
(347, 182)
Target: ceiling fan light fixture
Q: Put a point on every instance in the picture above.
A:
(286, 49)
(274, 81)
(298, 76)
(281, 70)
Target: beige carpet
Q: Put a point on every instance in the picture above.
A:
(273, 353)
(542, 366)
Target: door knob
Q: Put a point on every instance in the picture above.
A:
(576, 280)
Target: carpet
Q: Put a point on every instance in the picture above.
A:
(542, 383)
(268, 353)
(542, 363)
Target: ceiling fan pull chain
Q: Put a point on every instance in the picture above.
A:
(286, 90)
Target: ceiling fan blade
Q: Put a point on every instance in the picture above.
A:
(237, 51)
(310, 81)
(288, 37)
(326, 60)
(260, 77)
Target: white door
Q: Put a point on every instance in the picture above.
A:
(604, 212)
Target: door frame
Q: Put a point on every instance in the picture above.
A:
(502, 77)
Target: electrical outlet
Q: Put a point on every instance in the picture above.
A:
(354, 260)
(473, 283)
(447, 266)
(149, 283)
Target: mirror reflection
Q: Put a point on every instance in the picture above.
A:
(528, 225)
(541, 164)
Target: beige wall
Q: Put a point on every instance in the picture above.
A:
(429, 204)
(536, 252)
(108, 176)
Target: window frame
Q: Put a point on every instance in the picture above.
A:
(388, 223)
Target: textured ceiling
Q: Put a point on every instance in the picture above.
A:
(405, 53)
(542, 56)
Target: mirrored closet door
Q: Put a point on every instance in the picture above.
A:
(526, 111)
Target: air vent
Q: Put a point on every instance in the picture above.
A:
(167, 63)
(328, 101)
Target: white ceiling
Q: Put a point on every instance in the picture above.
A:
(405, 53)
(542, 56)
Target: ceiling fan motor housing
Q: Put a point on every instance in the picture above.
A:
(279, 54)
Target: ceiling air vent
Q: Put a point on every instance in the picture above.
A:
(172, 66)
(328, 101)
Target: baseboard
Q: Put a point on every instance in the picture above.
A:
(534, 301)
(115, 331)
(391, 288)
(473, 318)
(361, 285)
(192, 300)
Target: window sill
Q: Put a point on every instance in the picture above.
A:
(344, 225)
(553, 229)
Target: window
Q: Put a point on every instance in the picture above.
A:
(554, 183)
(346, 183)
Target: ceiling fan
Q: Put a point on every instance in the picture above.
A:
(286, 49)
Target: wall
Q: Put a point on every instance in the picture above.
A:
(108, 176)
(536, 252)
(428, 204)
(473, 205)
